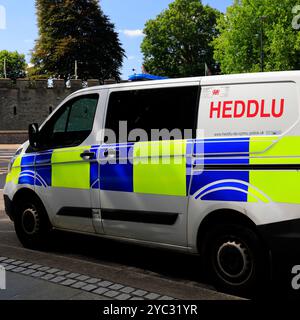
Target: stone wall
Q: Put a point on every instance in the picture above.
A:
(26, 101)
(13, 137)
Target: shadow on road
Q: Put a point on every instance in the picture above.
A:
(173, 265)
(167, 264)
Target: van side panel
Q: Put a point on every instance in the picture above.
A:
(251, 158)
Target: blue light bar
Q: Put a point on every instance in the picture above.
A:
(145, 77)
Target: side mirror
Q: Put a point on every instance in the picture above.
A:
(33, 133)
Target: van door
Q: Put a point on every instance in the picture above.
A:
(143, 173)
(63, 165)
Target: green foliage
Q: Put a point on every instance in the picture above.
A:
(177, 42)
(72, 30)
(15, 64)
(33, 74)
(238, 46)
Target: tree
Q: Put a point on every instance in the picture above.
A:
(238, 46)
(76, 30)
(177, 42)
(15, 64)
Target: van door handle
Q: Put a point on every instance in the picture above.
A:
(87, 155)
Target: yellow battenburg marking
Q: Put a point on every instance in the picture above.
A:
(251, 199)
(279, 185)
(69, 170)
(13, 175)
(261, 144)
(160, 168)
(277, 151)
(255, 195)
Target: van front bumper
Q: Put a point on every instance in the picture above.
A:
(9, 207)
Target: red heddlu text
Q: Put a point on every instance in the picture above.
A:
(247, 109)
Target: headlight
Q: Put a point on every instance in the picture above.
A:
(11, 162)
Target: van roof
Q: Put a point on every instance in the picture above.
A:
(211, 80)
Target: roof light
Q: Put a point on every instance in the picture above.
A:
(145, 77)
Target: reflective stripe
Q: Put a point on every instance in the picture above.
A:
(231, 147)
(69, 170)
(262, 185)
(160, 168)
(279, 185)
(118, 175)
(159, 149)
(27, 175)
(260, 144)
(255, 195)
(43, 169)
(221, 184)
(95, 169)
(283, 151)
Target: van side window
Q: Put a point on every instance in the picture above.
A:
(71, 124)
(61, 123)
(163, 108)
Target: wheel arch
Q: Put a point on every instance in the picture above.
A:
(221, 216)
(234, 219)
(26, 193)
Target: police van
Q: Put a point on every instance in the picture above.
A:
(208, 166)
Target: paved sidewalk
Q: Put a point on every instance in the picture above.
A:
(20, 287)
(32, 281)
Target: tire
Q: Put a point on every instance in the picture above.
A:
(236, 260)
(32, 224)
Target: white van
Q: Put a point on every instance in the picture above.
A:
(219, 176)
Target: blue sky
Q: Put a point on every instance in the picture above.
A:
(129, 17)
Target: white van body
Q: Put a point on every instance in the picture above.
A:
(243, 164)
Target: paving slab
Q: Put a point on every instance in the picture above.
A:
(21, 287)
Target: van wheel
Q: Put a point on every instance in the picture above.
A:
(32, 224)
(235, 259)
